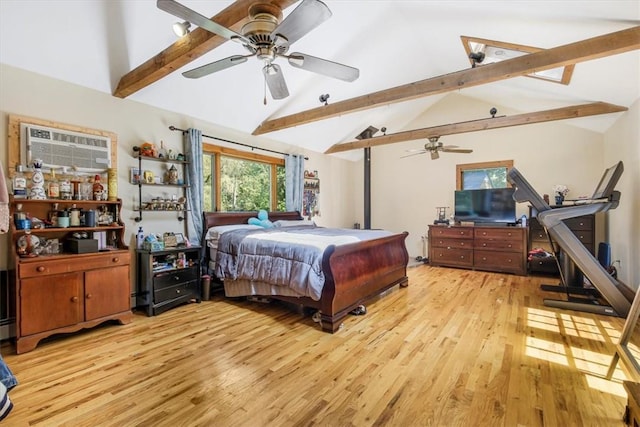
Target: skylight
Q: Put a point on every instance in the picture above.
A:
(495, 51)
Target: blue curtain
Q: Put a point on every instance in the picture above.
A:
(193, 146)
(294, 182)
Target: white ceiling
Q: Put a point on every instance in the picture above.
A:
(94, 42)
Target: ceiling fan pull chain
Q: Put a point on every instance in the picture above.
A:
(265, 90)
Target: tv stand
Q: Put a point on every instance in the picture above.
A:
(483, 247)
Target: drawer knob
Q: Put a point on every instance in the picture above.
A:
(74, 299)
(40, 269)
(509, 245)
(509, 234)
(115, 259)
(484, 258)
(177, 291)
(461, 256)
(176, 278)
(462, 232)
(89, 296)
(484, 244)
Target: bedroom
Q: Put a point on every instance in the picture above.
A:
(412, 186)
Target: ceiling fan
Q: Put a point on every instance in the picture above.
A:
(267, 37)
(434, 146)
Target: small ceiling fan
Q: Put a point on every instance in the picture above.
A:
(434, 146)
(267, 37)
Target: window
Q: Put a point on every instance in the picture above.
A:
(240, 181)
(472, 176)
(495, 51)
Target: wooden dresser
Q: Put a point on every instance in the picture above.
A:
(501, 249)
(584, 227)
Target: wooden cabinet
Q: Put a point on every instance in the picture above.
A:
(500, 249)
(451, 246)
(168, 278)
(584, 227)
(65, 292)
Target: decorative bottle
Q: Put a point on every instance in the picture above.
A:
(98, 189)
(19, 183)
(53, 186)
(66, 189)
(139, 238)
(162, 153)
(37, 182)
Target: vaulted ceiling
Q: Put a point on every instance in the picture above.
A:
(127, 48)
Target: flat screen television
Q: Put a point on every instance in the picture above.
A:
(492, 205)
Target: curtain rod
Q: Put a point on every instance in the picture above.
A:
(238, 143)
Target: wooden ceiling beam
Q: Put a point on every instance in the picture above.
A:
(593, 48)
(571, 112)
(187, 49)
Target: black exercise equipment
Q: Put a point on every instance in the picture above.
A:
(616, 294)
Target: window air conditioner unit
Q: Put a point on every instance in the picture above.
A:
(59, 148)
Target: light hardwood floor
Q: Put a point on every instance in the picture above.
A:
(455, 348)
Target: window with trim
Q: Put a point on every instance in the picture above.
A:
(473, 176)
(240, 181)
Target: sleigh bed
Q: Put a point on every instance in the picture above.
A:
(353, 271)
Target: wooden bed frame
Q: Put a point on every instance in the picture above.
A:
(354, 272)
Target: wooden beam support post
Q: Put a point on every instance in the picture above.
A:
(572, 112)
(597, 47)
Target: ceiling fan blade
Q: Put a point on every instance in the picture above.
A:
(414, 154)
(457, 150)
(304, 18)
(434, 155)
(323, 66)
(184, 13)
(447, 147)
(275, 80)
(216, 66)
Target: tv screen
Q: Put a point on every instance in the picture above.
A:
(487, 205)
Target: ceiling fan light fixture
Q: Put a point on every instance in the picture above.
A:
(181, 29)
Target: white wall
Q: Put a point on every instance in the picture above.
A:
(28, 94)
(622, 142)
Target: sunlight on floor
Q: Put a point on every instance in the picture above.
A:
(593, 365)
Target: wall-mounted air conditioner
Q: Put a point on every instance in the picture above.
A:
(58, 148)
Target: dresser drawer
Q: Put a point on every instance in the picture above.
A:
(43, 267)
(452, 232)
(546, 265)
(176, 291)
(501, 245)
(580, 223)
(173, 278)
(498, 261)
(506, 233)
(452, 243)
(453, 257)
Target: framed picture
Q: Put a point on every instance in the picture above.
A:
(148, 177)
(170, 240)
(134, 175)
(180, 239)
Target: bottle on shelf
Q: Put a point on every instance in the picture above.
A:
(162, 152)
(53, 186)
(19, 183)
(98, 189)
(139, 238)
(66, 189)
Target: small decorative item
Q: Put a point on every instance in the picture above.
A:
(134, 175)
(112, 184)
(560, 191)
(148, 177)
(172, 175)
(37, 182)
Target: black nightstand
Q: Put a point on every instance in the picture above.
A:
(168, 278)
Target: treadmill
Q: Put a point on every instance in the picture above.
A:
(617, 295)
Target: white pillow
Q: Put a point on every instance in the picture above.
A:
(214, 232)
(293, 223)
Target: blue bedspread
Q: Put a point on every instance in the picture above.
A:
(290, 257)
